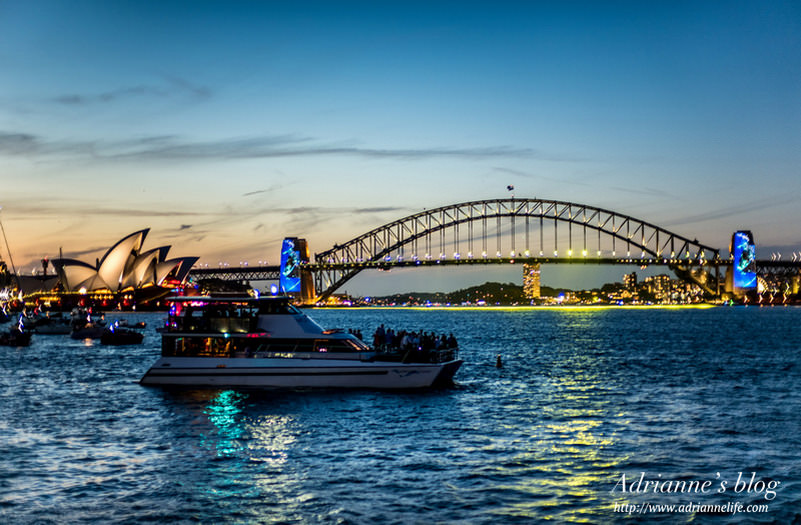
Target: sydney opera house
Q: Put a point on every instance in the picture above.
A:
(124, 271)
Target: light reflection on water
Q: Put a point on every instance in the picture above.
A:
(562, 453)
(223, 413)
(582, 397)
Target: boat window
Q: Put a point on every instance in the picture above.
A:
(197, 347)
(281, 346)
(360, 345)
(305, 345)
(277, 308)
(335, 345)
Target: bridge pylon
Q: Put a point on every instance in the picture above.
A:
(294, 278)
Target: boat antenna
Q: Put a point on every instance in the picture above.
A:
(10, 258)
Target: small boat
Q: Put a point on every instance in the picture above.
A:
(88, 331)
(53, 326)
(15, 337)
(123, 323)
(268, 343)
(84, 327)
(115, 335)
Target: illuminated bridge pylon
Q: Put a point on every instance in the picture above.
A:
(516, 230)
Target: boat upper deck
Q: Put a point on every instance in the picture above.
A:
(239, 315)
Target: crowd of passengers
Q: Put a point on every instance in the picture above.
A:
(387, 339)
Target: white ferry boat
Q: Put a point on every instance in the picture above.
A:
(268, 343)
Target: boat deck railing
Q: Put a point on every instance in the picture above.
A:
(442, 355)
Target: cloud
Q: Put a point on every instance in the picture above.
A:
(271, 189)
(182, 85)
(287, 146)
(651, 192)
(174, 87)
(50, 206)
(518, 173)
(18, 143)
(77, 254)
(736, 209)
(132, 212)
(107, 97)
(172, 148)
(378, 209)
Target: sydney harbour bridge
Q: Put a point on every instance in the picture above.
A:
(508, 231)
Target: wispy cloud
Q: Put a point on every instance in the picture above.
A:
(173, 148)
(77, 254)
(185, 86)
(134, 212)
(18, 143)
(173, 87)
(56, 208)
(736, 209)
(651, 192)
(73, 99)
(518, 173)
(378, 209)
(270, 189)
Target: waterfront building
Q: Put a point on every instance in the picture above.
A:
(658, 286)
(124, 266)
(124, 277)
(630, 280)
(531, 281)
(664, 289)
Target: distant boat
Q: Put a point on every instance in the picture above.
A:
(84, 327)
(114, 335)
(88, 331)
(15, 337)
(123, 323)
(53, 325)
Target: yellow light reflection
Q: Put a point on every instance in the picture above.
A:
(272, 436)
(559, 463)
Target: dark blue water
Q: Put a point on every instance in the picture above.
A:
(584, 397)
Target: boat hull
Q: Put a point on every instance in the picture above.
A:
(297, 373)
(54, 329)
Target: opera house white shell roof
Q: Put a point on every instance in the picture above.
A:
(123, 266)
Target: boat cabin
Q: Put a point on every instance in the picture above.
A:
(248, 327)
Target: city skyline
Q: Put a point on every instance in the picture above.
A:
(225, 128)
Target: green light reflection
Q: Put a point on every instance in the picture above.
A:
(224, 412)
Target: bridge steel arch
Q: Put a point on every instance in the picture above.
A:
(444, 228)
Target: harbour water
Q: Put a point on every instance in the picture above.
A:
(584, 397)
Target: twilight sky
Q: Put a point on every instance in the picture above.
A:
(226, 126)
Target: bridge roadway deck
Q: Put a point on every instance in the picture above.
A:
(271, 273)
(238, 273)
